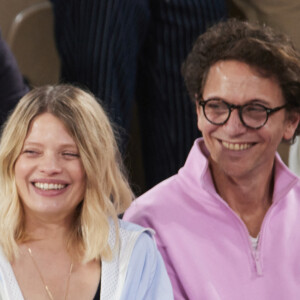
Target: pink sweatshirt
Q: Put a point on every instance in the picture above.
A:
(206, 246)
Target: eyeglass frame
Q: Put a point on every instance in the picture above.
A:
(269, 111)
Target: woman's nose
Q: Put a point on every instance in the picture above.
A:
(49, 164)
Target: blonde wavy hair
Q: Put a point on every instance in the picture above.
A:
(107, 190)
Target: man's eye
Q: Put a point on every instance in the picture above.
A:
(216, 105)
(254, 108)
(213, 105)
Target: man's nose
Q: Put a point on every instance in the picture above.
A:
(234, 125)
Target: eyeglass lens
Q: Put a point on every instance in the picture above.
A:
(217, 112)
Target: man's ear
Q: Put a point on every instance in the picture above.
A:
(292, 123)
(199, 113)
(197, 105)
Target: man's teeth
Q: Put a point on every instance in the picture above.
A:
(49, 186)
(236, 147)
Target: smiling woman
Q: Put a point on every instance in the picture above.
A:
(49, 174)
(62, 185)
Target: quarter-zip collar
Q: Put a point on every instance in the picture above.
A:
(196, 176)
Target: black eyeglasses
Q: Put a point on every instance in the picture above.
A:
(252, 115)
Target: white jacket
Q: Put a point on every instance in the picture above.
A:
(135, 272)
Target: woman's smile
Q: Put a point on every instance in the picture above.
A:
(49, 173)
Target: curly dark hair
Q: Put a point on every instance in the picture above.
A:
(272, 54)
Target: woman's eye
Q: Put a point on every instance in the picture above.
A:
(70, 154)
(30, 152)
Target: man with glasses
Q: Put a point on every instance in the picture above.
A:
(252, 115)
(228, 223)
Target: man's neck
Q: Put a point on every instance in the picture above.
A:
(249, 198)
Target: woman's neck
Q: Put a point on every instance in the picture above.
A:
(47, 234)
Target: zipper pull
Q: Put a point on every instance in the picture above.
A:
(258, 264)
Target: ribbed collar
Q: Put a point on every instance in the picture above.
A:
(195, 175)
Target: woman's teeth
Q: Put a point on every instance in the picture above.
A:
(49, 186)
(236, 147)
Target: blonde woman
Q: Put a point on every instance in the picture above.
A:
(61, 189)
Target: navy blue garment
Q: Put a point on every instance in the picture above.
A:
(126, 51)
(12, 86)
